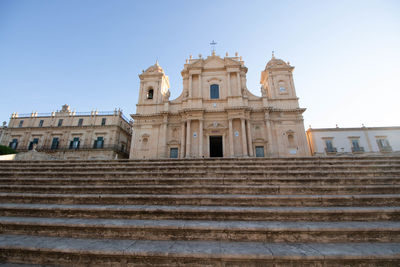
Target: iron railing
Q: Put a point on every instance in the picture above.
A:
(117, 148)
(357, 149)
(385, 148)
(330, 150)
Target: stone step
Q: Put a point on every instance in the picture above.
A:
(235, 161)
(117, 252)
(262, 231)
(200, 181)
(158, 212)
(203, 173)
(207, 199)
(203, 189)
(247, 167)
(24, 265)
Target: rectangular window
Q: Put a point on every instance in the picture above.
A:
(103, 121)
(99, 143)
(329, 146)
(60, 121)
(384, 145)
(21, 122)
(214, 91)
(14, 144)
(35, 141)
(41, 123)
(74, 144)
(54, 143)
(80, 122)
(173, 153)
(259, 151)
(355, 144)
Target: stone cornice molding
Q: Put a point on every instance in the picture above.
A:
(385, 128)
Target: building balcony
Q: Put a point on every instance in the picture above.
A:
(359, 149)
(331, 150)
(385, 149)
(50, 149)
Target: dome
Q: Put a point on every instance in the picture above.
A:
(154, 68)
(276, 63)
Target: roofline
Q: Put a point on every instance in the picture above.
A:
(353, 129)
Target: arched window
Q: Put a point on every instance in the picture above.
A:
(150, 94)
(282, 86)
(214, 91)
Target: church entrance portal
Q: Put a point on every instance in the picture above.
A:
(216, 146)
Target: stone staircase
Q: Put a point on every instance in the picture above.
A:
(197, 212)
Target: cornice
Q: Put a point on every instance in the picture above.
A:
(385, 128)
(61, 128)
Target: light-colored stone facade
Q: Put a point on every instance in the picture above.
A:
(355, 141)
(66, 134)
(2, 130)
(216, 115)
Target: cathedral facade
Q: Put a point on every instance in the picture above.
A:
(216, 115)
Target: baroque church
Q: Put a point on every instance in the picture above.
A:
(216, 115)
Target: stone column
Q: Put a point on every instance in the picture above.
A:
(244, 141)
(249, 139)
(200, 87)
(269, 133)
(201, 138)
(165, 133)
(190, 85)
(188, 138)
(231, 139)
(182, 140)
(239, 84)
(208, 145)
(229, 84)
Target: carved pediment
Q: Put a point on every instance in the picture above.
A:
(231, 62)
(216, 125)
(214, 62)
(197, 64)
(174, 142)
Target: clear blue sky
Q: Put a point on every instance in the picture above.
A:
(88, 54)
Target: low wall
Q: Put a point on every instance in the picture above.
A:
(7, 157)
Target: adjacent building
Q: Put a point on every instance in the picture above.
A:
(2, 130)
(354, 141)
(67, 134)
(216, 115)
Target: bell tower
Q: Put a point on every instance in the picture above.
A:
(277, 84)
(154, 89)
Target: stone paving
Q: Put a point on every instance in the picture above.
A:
(222, 212)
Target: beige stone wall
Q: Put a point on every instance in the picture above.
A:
(273, 121)
(116, 133)
(368, 139)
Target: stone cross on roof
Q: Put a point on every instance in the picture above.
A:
(213, 44)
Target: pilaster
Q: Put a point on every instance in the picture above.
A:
(244, 141)
(188, 138)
